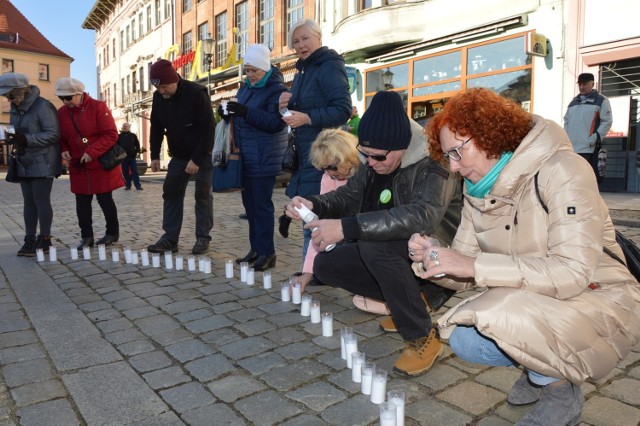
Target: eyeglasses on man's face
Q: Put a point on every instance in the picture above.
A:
(454, 153)
(65, 98)
(375, 157)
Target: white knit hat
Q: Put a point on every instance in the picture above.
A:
(258, 55)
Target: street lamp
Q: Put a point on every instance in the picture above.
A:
(207, 49)
(387, 79)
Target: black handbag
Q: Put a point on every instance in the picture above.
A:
(110, 159)
(290, 159)
(113, 157)
(12, 171)
(631, 254)
(228, 177)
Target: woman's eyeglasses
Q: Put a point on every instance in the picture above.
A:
(454, 153)
(375, 157)
(65, 98)
(330, 169)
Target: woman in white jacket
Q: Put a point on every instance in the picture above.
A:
(532, 235)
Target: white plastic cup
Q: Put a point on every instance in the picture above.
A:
(53, 254)
(357, 359)
(305, 305)
(86, 253)
(368, 370)
(155, 260)
(296, 294)
(127, 254)
(191, 263)
(40, 255)
(251, 276)
(115, 255)
(207, 265)
(228, 269)
(244, 269)
(144, 256)
(285, 295)
(168, 259)
(344, 331)
(102, 252)
(134, 257)
(266, 280)
(350, 346)
(315, 311)
(179, 262)
(388, 414)
(327, 324)
(74, 253)
(379, 387)
(398, 398)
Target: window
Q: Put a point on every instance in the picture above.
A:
(242, 23)
(186, 5)
(122, 91)
(121, 41)
(115, 94)
(295, 12)
(141, 79)
(266, 23)
(149, 24)
(158, 12)
(100, 60)
(128, 35)
(134, 82)
(43, 72)
(203, 31)
(113, 49)
(167, 9)
(133, 29)
(7, 65)
(105, 55)
(140, 25)
(221, 39)
(187, 46)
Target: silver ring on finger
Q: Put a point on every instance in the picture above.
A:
(433, 255)
(411, 252)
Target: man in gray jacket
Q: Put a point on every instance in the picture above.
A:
(588, 120)
(399, 192)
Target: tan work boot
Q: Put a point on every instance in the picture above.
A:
(387, 324)
(419, 355)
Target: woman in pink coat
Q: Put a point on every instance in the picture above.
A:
(87, 132)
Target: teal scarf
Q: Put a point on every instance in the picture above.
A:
(260, 83)
(485, 184)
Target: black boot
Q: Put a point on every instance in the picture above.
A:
(264, 262)
(283, 225)
(85, 242)
(249, 258)
(28, 249)
(43, 242)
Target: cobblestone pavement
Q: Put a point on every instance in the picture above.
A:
(91, 342)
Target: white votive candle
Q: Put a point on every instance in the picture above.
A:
(155, 260)
(327, 324)
(284, 292)
(397, 397)
(127, 254)
(200, 263)
(350, 346)
(244, 269)
(115, 255)
(228, 268)
(207, 265)
(315, 311)
(179, 262)
(40, 255)
(191, 263)
(379, 387)
(144, 257)
(102, 252)
(251, 276)
(53, 254)
(305, 305)
(368, 370)
(74, 253)
(134, 257)
(86, 253)
(296, 294)
(388, 414)
(345, 331)
(266, 280)
(168, 259)
(357, 359)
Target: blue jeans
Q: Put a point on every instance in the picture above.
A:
(471, 346)
(256, 198)
(174, 189)
(130, 164)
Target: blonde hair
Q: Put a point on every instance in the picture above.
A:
(313, 27)
(335, 147)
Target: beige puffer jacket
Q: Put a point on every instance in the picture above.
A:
(537, 267)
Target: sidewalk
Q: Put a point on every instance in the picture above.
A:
(90, 342)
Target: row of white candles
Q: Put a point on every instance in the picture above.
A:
(373, 382)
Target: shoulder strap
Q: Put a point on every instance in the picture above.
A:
(546, 209)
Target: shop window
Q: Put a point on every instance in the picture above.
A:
(437, 88)
(515, 85)
(497, 56)
(388, 78)
(437, 68)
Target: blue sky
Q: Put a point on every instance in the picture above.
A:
(60, 21)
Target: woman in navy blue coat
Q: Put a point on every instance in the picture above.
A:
(319, 99)
(262, 137)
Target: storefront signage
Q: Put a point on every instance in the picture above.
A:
(536, 44)
(184, 59)
(352, 76)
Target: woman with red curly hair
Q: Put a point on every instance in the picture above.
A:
(537, 236)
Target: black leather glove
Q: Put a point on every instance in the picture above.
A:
(221, 113)
(20, 141)
(235, 108)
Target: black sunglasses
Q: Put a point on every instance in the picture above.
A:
(65, 98)
(330, 168)
(376, 157)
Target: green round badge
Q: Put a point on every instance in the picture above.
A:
(385, 196)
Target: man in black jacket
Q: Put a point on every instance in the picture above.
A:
(401, 191)
(130, 143)
(182, 112)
